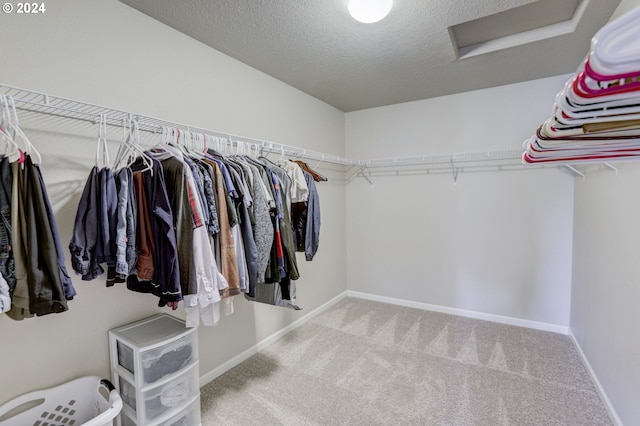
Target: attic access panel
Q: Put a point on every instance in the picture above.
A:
(517, 26)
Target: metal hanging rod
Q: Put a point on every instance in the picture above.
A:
(42, 103)
(449, 159)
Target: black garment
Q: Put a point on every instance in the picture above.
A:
(7, 262)
(169, 362)
(166, 279)
(178, 193)
(46, 293)
(107, 198)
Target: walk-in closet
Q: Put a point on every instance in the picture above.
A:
(285, 213)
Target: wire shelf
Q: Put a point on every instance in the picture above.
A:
(59, 107)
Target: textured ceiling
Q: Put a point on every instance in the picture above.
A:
(315, 46)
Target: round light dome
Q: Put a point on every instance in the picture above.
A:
(369, 11)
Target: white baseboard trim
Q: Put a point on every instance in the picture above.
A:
(462, 312)
(243, 356)
(612, 412)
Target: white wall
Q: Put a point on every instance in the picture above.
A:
(494, 242)
(606, 277)
(104, 52)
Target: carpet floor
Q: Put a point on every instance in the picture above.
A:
(370, 363)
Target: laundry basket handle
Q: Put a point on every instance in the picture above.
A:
(21, 404)
(115, 403)
(106, 383)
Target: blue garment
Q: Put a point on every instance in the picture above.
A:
(85, 231)
(125, 224)
(106, 247)
(65, 279)
(312, 237)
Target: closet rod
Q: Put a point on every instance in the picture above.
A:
(448, 159)
(42, 103)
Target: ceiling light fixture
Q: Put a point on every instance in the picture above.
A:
(369, 11)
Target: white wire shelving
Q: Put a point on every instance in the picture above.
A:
(454, 163)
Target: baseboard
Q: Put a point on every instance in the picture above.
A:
(243, 356)
(462, 312)
(603, 395)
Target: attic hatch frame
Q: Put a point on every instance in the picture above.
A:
(492, 160)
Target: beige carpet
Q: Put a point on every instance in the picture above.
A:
(369, 363)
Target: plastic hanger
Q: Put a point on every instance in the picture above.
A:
(130, 148)
(19, 135)
(13, 150)
(588, 69)
(579, 97)
(102, 150)
(599, 88)
(614, 107)
(281, 159)
(616, 46)
(124, 149)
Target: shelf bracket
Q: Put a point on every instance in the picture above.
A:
(364, 172)
(615, 170)
(574, 170)
(454, 171)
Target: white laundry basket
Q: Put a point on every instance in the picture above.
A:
(87, 401)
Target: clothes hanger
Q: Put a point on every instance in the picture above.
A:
(27, 147)
(619, 106)
(579, 97)
(588, 69)
(598, 88)
(614, 130)
(124, 150)
(316, 176)
(615, 48)
(146, 160)
(281, 159)
(101, 147)
(130, 148)
(13, 150)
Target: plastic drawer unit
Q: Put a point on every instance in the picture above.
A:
(189, 417)
(154, 365)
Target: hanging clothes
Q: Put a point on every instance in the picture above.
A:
(224, 242)
(202, 305)
(165, 279)
(306, 221)
(7, 263)
(263, 231)
(299, 188)
(127, 213)
(85, 231)
(177, 190)
(5, 296)
(200, 227)
(42, 284)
